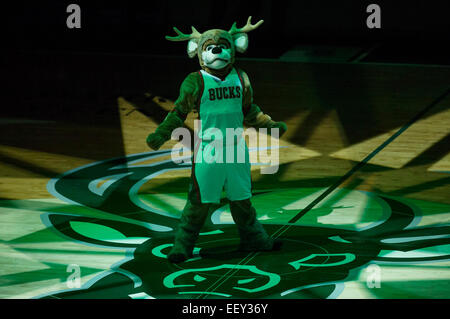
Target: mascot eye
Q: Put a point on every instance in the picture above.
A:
(209, 47)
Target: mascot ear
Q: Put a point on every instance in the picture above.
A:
(241, 42)
(192, 47)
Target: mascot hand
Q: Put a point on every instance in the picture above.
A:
(281, 126)
(155, 141)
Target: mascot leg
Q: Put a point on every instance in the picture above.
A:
(252, 234)
(191, 222)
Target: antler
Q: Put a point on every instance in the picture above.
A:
(184, 37)
(247, 28)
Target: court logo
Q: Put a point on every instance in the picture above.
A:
(315, 261)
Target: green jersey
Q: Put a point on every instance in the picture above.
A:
(221, 157)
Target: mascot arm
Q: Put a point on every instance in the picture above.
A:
(189, 92)
(253, 115)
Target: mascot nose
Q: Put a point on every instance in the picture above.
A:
(216, 50)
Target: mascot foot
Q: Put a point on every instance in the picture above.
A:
(267, 245)
(176, 258)
(178, 255)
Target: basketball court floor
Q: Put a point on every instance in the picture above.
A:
(87, 210)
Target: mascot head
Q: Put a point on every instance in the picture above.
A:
(216, 48)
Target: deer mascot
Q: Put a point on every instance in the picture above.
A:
(223, 97)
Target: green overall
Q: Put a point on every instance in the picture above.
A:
(221, 161)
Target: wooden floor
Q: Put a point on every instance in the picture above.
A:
(65, 116)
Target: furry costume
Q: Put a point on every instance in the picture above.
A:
(223, 97)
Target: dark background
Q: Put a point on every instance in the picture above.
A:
(60, 86)
(417, 31)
